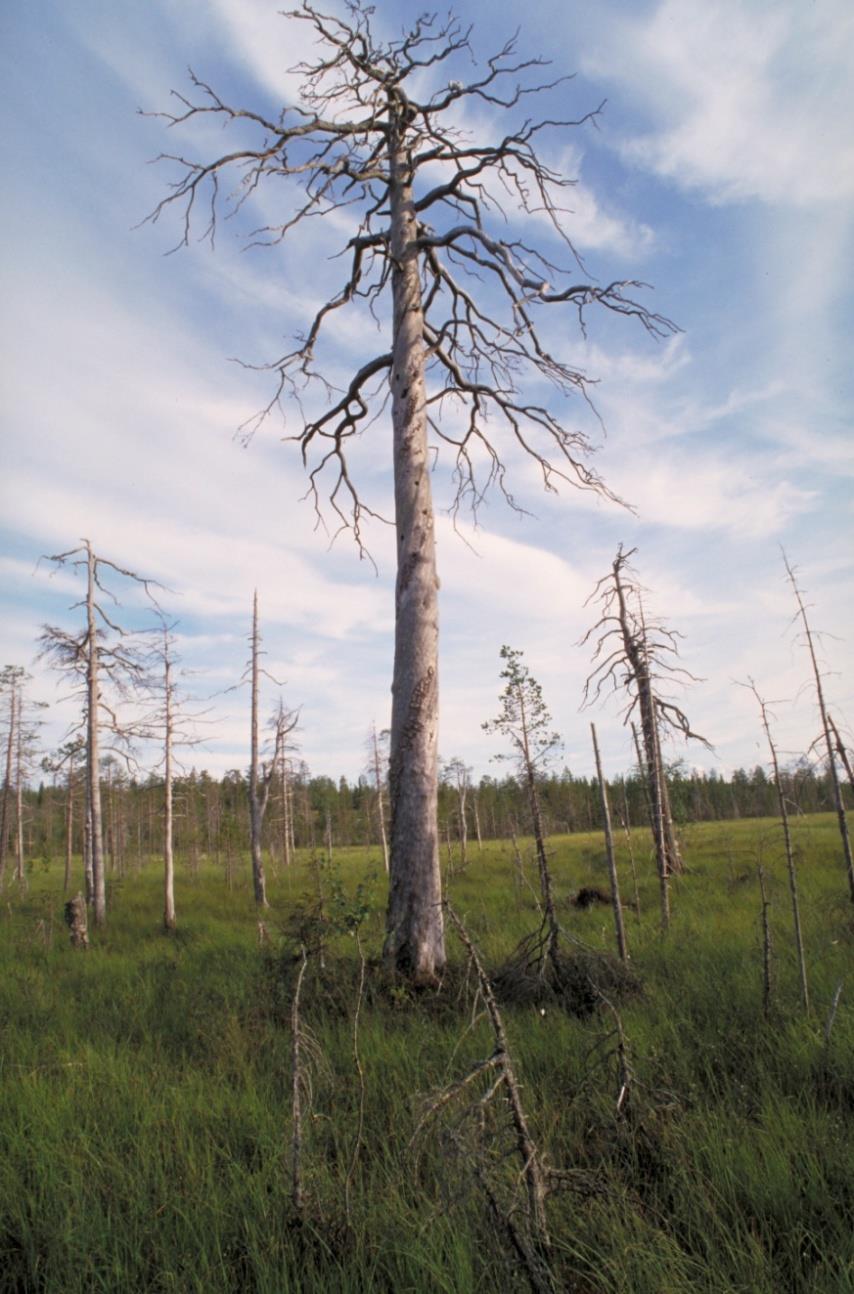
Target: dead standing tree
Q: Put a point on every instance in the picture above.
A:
(809, 638)
(172, 724)
(261, 775)
(368, 139)
(102, 650)
(787, 842)
(634, 655)
(12, 681)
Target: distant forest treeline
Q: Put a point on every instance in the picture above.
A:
(211, 815)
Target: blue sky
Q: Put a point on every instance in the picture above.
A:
(721, 171)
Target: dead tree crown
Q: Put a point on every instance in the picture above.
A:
(363, 108)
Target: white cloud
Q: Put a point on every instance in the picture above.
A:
(751, 101)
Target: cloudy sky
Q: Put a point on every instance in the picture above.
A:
(721, 171)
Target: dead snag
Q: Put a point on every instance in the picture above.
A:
(75, 919)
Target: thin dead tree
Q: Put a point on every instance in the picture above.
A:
(172, 724)
(636, 656)
(619, 928)
(765, 716)
(67, 758)
(809, 637)
(377, 766)
(524, 719)
(458, 775)
(286, 722)
(376, 138)
(102, 654)
(11, 684)
(262, 774)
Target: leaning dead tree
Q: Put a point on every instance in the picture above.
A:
(809, 637)
(634, 655)
(436, 255)
(102, 655)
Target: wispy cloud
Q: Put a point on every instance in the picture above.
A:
(749, 101)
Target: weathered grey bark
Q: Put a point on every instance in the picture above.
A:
(169, 918)
(88, 874)
(415, 939)
(93, 771)
(790, 855)
(639, 665)
(19, 802)
(379, 781)
(477, 823)
(629, 655)
(11, 680)
(287, 812)
(69, 827)
(75, 919)
(259, 789)
(357, 141)
(839, 803)
(619, 928)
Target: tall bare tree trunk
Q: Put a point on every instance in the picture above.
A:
(376, 765)
(93, 772)
(838, 802)
(69, 828)
(256, 810)
(464, 834)
(169, 920)
(415, 943)
(287, 828)
(8, 775)
(19, 802)
(88, 874)
(477, 823)
(619, 928)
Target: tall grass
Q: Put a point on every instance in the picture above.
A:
(145, 1100)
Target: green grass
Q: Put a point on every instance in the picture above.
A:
(145, 1089)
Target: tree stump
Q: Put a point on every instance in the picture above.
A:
(75, 919)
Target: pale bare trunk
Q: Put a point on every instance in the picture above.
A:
(464, 835)
(7, 777)
(286, 818)
(415, 943)
(256, 811)
(169, 920)
(93, 780)
(619, 928)
(69, 829)
(477, 824)
(378, 783)
(19, 805)
(88, 874)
